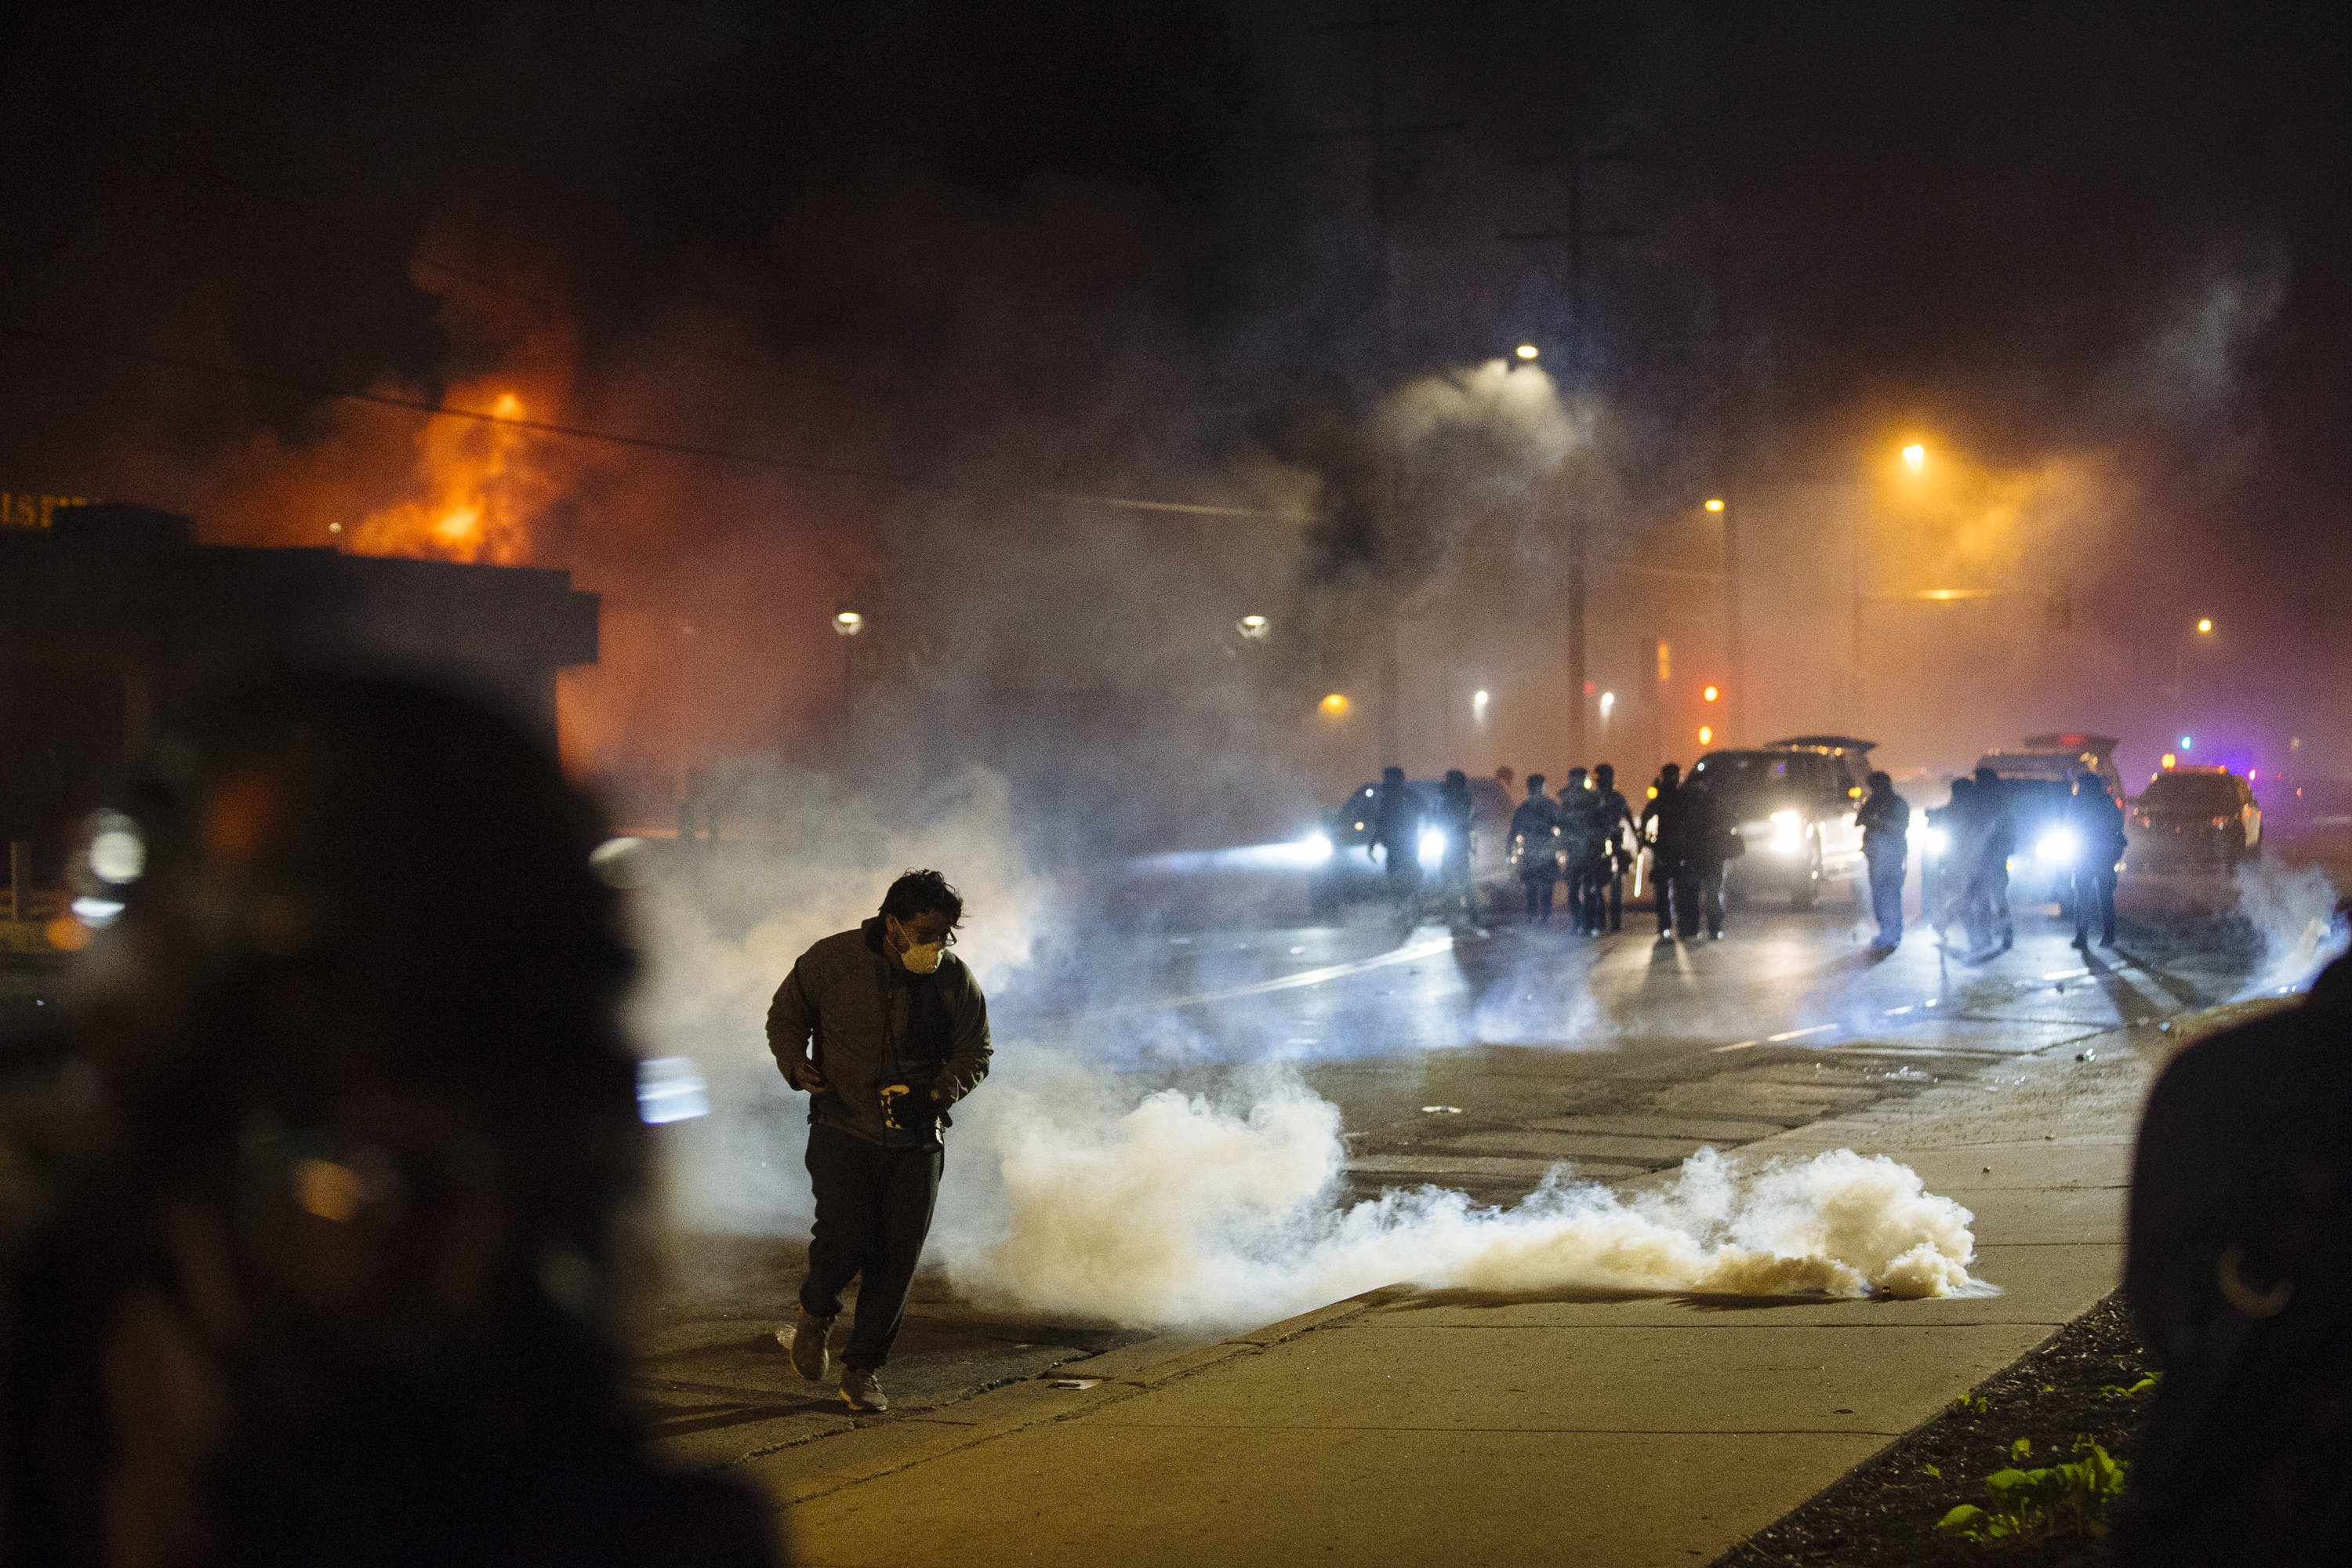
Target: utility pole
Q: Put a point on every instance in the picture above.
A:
(1389, 599)
(1576, 522)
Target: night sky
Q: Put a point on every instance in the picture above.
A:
(1129, 248)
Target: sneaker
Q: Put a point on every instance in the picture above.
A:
(861, 1390)
(805, 1337)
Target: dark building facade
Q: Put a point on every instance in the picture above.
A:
(111, 609)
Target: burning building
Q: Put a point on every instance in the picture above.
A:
(111, 609)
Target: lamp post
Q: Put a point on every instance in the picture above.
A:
(846, 624)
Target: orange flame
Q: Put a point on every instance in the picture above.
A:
(481, 492)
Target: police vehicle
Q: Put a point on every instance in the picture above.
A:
(1350, 869)
(1793, 802)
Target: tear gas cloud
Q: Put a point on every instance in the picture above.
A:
(1082, 1192)
(2292, 911)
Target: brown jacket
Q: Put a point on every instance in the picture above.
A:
(848, 1006)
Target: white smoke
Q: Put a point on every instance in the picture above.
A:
(2292, 910)
(1182, 1210)
(1072, 1189)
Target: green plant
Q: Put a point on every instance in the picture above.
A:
(2117, 1390)
(2056, 1499)
(1969, 1404)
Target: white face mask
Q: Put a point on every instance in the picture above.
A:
(921, 957)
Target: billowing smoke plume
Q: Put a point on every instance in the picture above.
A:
(1182, 1210)
(2292, 910)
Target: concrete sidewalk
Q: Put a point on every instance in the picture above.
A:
(1408, 1427)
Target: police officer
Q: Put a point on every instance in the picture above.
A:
(2099, 826)
(1454, 865)
(1396, 830)
(1535, 848)
(884, 1029)
(1718, 843)
(1581, 842)
(1996, 841)
(1673, 829)
(1616, 820)
(1885, 818)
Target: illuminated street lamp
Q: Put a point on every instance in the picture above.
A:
(1525, 351)
(1915, 456)
(1714, 504)
(1253, 627)
(2205, 624)
(846, 623)
(1336, 705)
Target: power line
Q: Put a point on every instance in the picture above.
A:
(607, 438)
(420, 405)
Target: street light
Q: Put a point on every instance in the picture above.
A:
(1253, 627)
(2205, 624)
(1336, 705)
(846, 624)
(1527, 351)
(1715, 505)
(1915, 456)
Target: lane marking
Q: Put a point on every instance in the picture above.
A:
(1740, 1047)
(2066, 974)
(1799, 1034)
(1897, 1012)
(1411, 952)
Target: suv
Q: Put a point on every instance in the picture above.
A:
(2194, 816)
(1348, 870)
(1793, 802)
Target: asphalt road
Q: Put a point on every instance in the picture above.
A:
(1474, 1060)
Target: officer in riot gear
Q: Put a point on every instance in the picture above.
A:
(1535, 849)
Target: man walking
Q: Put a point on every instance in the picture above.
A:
(1580, 841)
(1396, 829)
(884, 1029)
(1616, 817)
(2099, 824)
(1885, 819)
(1988, 879)
(1673, 847)
(1535, 849)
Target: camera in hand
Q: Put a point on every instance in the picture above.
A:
(908, 1108)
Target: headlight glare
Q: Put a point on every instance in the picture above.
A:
(1432, 849)
(2059, 847)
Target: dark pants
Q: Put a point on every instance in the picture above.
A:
(873, 1210)
(1616, 896)
(1679, 895)
(1592, 900)
(1987, 914)
(1886, 892)
(1539, 895)
(1710, 874)
(1404, 877)
(2094, 890)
